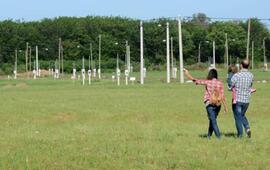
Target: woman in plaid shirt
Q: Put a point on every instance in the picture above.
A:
(211, 83)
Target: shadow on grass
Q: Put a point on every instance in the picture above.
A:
(227, 135)
(230, 135)
(203, 136)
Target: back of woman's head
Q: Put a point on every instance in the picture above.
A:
(212, 74)
(232, 69)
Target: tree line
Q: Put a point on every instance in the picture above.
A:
(75, 32)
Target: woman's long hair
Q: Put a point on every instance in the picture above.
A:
(212, 74)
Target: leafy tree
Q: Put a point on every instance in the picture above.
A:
(81, 31)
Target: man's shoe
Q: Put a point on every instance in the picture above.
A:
(249, 133)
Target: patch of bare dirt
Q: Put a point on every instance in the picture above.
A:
(7, 86)
(21, 85)
(64, 117)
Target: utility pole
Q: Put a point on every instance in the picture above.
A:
(172, 55)
(83, 66)
(59, 54)
(226, 50)
(118, 70)
(99, 57)
(30, 56)
(141, 52)
(91, 56)
(199, 53)
(168, 52)
(37, 66)
(83, 72)
(180, 51)
(15, 67)
(89, 60)
(264, 55)
(26, 60)
(128, 56)
(62, 55)
(248, 39)
(214, 54)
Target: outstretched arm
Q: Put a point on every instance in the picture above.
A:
(196, 81)
(189, 76)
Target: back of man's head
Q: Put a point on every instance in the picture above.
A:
(245, 64)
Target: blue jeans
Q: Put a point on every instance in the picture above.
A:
(212, 112)
(239, 111)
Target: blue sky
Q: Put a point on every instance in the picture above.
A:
(140, 9)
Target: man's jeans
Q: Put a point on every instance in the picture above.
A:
(212, 112)
(239, 111)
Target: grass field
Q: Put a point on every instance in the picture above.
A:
(48, 124)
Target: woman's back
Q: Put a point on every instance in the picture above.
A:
(210, 86)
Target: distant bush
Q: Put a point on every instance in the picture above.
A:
(7, 68)
(2, 72)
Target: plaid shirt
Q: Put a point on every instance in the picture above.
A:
(210, 85)
(242, 82)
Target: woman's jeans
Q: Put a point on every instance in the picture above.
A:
(212, 112)
(239, 111)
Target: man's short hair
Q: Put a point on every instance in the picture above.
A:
(245, 63)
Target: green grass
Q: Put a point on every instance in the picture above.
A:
(47, 124)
